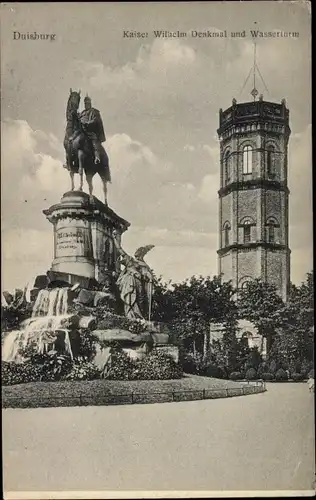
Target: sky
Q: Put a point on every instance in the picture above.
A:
(159, 99)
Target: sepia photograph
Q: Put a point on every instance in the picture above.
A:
(157, 294)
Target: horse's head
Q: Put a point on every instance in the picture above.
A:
(73, 102)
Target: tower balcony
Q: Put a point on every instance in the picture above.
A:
(253, 245)
(258, 183)
(256, 112)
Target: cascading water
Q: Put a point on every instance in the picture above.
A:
(49, 317)
(51, 303)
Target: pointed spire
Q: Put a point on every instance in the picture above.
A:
(254, 70)
(254, 91)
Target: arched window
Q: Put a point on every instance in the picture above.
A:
(247, 160)
(270, 162)
(226, 229)
(244, 282)
(272, 226)
(246, 234)
(227, 167)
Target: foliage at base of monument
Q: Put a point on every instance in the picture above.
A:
(86, 344)
(83, 370)
(155, 366)
(158, 366)
(120, 367)
(47, 367)
(11, 317)
(107, 320)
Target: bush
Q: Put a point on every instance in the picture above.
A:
(263, 368)
(311, 374)
(189, 363)
(83, 370)
(273, 367)
(120, 366)
(12, 373)
(87, 344)
(158, 366)
(281, 374)
(267, 376)
(38, 367)
(251, 374)
(306, 367)
(297, 376)
(235, 376)
(215, 371)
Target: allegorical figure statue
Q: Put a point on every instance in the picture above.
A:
(93, 126)
(135, 282)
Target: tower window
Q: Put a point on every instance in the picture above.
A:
(227, 168)
(246, 230)
(226, 234)
(247, 234)
(270, 162)
(271, 230)
(271, 234)
(247, 160)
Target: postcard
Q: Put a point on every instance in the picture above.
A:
(157, 273)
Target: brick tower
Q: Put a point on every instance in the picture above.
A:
(253, 194)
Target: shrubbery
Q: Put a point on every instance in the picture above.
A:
(12, 373)
(120, 367)
(251, 374)
(53, 366)
(215, 371)
(267, 376)
(235, 376)
(281, 374)
(297, 377)
(87, 344)
(158, 366)
(83, 370)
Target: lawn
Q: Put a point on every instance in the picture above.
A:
(104, 392)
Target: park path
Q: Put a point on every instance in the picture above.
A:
(257, 442)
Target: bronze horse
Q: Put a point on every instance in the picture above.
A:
(79, 150)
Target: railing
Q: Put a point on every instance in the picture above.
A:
(133, 397)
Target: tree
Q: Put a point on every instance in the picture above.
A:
(189, 307)
(260, 303)
(294, 341)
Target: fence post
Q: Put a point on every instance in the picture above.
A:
(172, 396)
(226, 391)
(203, 393)
(80, 400)
(132, 397)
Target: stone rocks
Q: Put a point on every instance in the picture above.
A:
(104, 298)
(72, 279)
(102, 356)
(86, 297)
(117, 335)
(87, 322)
(91, 298)
(160, 338)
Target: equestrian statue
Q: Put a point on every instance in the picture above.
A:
(83, 144)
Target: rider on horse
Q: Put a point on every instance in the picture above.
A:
(93, 126)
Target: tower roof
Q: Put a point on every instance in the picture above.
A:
(249, 113)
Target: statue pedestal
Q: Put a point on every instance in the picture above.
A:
(83, 241)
